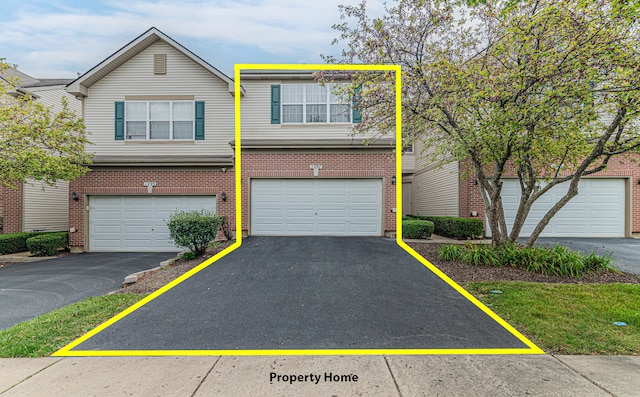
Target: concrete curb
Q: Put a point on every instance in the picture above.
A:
(133, 277)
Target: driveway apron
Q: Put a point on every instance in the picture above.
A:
(28, 290)
(308, 293)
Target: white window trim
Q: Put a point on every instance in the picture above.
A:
(148, 126)
(304, 104)
(410, 150)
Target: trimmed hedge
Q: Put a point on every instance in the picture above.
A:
(15, 242)
(449, 226)
(47, 244)
(417, 229)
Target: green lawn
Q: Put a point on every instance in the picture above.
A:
(46, 334)
(559, 318)
(569, 318)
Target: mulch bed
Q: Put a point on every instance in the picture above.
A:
(467, 273)
(460, 272)
(151, 281)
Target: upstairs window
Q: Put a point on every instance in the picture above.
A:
(159, 120)
(313, 103)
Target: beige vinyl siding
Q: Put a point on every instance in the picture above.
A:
(52, 96)
(407, 206)
(47, 209)
(256, 117)
(136, 78)
(408, 162)
(435, 190)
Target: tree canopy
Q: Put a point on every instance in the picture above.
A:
(35, 143)
(546, 89)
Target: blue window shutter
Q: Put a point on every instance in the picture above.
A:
(275, 104)
(356, 115)
(119, 120)
(199, 121)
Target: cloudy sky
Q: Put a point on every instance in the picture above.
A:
(59, 38)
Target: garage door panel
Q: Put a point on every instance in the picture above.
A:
(597, 210)
(299, 198)
(362, 228)
(332, 198)
(126, 223)
(316, 206)
(363, 199)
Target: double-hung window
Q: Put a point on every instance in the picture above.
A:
(159, 120)
(314, 103)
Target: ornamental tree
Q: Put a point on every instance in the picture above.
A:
(34, 142)
(545, 89)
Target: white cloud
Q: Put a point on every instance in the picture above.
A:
(49, 40)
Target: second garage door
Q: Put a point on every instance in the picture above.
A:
(137, 223)
(597, 210)
(330, 207)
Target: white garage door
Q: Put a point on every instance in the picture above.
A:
(597, 210)
(330, 207)
(137, 223)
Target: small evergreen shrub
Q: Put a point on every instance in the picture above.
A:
(449, 226)
(194, 230)
(417, 229)
(188, 255)
(15, 242)
(47, 244)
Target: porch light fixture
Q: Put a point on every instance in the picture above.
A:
(223, 196)
(393, 180)
(74, 196)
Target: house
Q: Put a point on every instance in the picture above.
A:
(604, 206)
(304, 173)
(36, 206)
(162, 127)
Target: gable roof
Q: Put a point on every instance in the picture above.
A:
(22, 83)
(80, 86)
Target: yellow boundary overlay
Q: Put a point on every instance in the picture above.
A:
(66, 351)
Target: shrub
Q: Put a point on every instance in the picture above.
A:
(188, 255)
(15, 242)
(194, 230)
(226, 228)
(448, 226)
(415, 228)
(557, 260)
(47, 244)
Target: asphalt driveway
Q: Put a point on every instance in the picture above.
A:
(308, 293)
(624, 251)
(28, 290)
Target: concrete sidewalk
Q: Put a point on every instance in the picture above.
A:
(323, 376)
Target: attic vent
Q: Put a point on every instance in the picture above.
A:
(159, 63)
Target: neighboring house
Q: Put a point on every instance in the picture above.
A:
(161, 116)
(36, 206)
(604, 206)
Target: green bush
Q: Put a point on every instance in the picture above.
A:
(15, 242)
(415, 229)
(557, 260)
(448, 226)
(194, 230)
(47, 244)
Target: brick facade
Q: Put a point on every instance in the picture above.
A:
(130, 182)
(11, 209)
(334, 165)
(622, 166)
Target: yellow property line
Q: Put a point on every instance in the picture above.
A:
(532, 348)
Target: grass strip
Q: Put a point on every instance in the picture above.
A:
(569, 318)
(46, 334)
